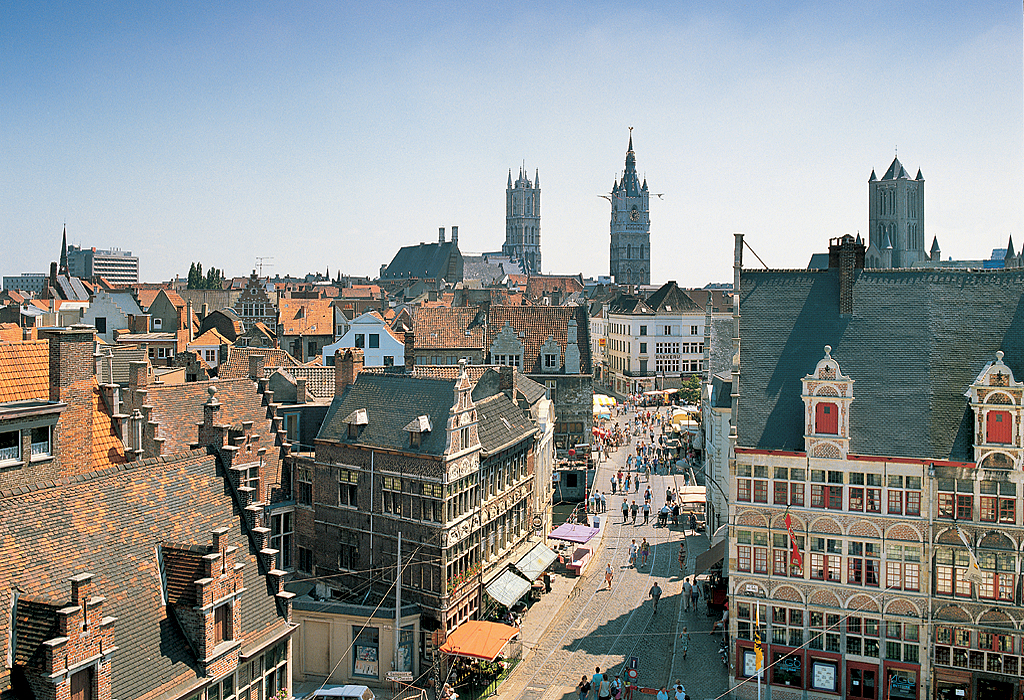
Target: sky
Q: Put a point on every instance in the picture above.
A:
(325, 136)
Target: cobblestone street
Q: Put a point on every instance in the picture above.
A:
(596, 627)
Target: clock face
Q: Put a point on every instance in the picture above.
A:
(634, 215)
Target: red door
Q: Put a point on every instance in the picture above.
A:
(826, 419)
(1000, 427)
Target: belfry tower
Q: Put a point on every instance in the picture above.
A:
(522, 221)
(630, 251)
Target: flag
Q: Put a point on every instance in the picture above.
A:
(795, 556)
(758, 652)
(973, 572)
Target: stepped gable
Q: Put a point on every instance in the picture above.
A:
(237, 365)
(534, 324)
(120, 517)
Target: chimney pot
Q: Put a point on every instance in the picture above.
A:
(440, 234)
(410, 352)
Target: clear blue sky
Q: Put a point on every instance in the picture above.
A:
(331, 134)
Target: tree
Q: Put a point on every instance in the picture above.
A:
(213, 279)
(690, 389)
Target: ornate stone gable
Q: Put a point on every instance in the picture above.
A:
(462, 419)
(507, 344)
(827, 395)
(550, 357)
(997, 400)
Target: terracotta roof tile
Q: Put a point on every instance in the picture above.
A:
(459, 327)
(237, 365)
(535, 323)
(306, 316)
(24, 370)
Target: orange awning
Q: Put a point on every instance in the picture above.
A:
(476, 639)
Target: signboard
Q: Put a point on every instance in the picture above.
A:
(538, 522)
(399, 676)
(752, 588)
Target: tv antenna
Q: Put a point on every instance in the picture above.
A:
(260, 263)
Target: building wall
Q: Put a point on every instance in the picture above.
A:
(633, 359)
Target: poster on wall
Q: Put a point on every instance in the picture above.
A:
(366, 661)
(823, 676)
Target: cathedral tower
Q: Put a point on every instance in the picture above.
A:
(630, 253)
(522, 221)
(895, 219)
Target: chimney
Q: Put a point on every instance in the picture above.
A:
(346, 368)
(53, 275)
(300, 390)
(410, 352)
(138, 375)
(71, 357)
(206, 310)
(138, 324)
(440, 235)
(188, 320)
(507, 381)
(455, 235)
(256, 365)
(81, 588)
(846, 255)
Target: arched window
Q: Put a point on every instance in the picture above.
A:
(999, 427)
(629, 251)
(641, 256)
(826, 418)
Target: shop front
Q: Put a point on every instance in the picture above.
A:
(952, 685)
(901, 681)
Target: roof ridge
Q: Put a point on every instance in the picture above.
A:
(102, 473)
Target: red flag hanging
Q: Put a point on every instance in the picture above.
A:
(795, 556)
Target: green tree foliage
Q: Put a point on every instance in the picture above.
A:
(213, 279)
(690, 389)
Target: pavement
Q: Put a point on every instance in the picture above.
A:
(581, 625)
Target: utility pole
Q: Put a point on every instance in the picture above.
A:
(260, 263)
(398, 601)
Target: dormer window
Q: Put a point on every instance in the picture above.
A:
(222, 624)
(356, 421)
(416, 428)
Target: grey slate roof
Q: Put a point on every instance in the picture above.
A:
(670, 298)
(721, 344)
(501, 423)
(915, 341)
(391, 402)
(423, 261)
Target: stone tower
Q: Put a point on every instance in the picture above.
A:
(895, 219)
(630, 252)
(522, 221)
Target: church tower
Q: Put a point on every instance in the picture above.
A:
(630, 252)
(522, 221)
(895, 219)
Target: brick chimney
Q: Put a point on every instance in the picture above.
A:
(300, 390)
(71, 357)
(138, 323)
(440, 234)
(846, 255)
(138, 375)
(256, 365)
(348, 363)
(507, 381)
(410, 351)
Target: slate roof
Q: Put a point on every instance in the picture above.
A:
(916, 340)
(501, 423)
(423, 261)
(237, 365)
(721, 343)
(319, 379)
(24, 370)
(119, 517)
(534, 324)
(392, 401)
(894, 172)
(446, 327)
(628, 304)
(669, 298)
(115, 369)
(306, 316)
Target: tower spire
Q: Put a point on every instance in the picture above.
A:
(64, 251)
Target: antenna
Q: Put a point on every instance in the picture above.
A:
(260, 263)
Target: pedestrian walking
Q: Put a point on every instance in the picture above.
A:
(617, 687)
(625, 510)
(695, 595)
(613, 485)
(680, 691)
(682, 555)
(687, 592)
(647, 471)
(655, 594)
(634, 509)
(647, 494)
(636, 484)
(597, 678)
(662, 693)
(608, 576)
(684, 641)
(668, 494)
(583, 688)
(633, 549)
(604, 690)
(645, 551)
(693, 522)
(604, 503)
(647, 511)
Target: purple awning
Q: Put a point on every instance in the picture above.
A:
(570, 532)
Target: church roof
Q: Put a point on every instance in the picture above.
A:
(912, 362)
(896, 171)
(423, 261)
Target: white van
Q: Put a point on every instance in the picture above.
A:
(342, 692)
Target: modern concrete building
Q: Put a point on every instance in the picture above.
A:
(116, 265)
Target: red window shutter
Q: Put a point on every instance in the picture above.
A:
(826, 419)
(999, 427)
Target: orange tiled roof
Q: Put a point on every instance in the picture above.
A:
(237, 365)
(446, 327)
(534, 324)
(24, 371)
(107, 448)
(10, 332)
(537, 287)
(146, 297)
(299, 316)
(361, 291)
(210, 337)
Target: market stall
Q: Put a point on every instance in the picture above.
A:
(482, 653)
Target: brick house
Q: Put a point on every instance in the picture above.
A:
(151, 585)
(254, 304)
(446, 335)
(448, 462)
(876, 521)
(305, 326)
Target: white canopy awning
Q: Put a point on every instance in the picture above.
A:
(508, 588)
(535, 561)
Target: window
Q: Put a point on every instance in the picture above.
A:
(348, 554)
(374, 340)
(826, 418)
(101, 324)
(391, 495)
(826, 559)
(999, 427)
(1001, 505)
(668, 330)
(10, 446)
(903, 567)
(281, 532)
(997, 572)
(862, 636)
(210, 355)
(251, 478)
(305, 560)
(950, 571)
(41, 446)
(389, 360)
(550, 361)
(311, 349)
(222, 623)
(901, 642)
(782, 550)
(643, 330)
(158, 323)
(824, 634)
(552, 389)
(863, 564)
(348, 487)
(787, 669)
(904, 501)
(643, 348)
(862, 683)
(693, 330)
(828, 495)
(956, 499)
(361, 341)
(756, 555)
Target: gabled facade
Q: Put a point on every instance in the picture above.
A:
(876, 481)
(370, 333)
(109, 312)
(254, 304)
